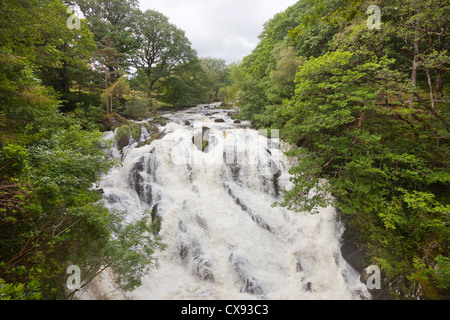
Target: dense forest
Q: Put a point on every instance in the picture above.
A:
(367, 107)
(369, 110)
(63, 81)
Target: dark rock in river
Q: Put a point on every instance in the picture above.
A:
(356, 255)
(201, 140)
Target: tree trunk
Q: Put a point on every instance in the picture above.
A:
(415, 61)
(106, 92)
(433, 105)
(440, 74)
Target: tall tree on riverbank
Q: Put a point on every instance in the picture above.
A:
(112, 19)
(162, 48)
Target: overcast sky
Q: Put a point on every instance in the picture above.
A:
(224, 29)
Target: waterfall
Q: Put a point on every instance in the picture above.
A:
(213, 182)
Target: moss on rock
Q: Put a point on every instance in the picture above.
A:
(123, 136)
(160, 119)
(136, 130)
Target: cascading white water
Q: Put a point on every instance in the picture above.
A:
(224, 239)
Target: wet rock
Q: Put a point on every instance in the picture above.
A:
(298, 266)
(201, 140)
(154, 136)
(201, 222)
(160, 120)
(219, 121)
(137, 182)
(123, 136)
(182, 227)
(112, 198)
(243, 270)
(252, 286)
(254, 216)
(308, 287)
(237, 121)
(351, 251)
(183, 252)
(356, 255)
(202, 265)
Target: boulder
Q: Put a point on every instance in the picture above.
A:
(201, 140)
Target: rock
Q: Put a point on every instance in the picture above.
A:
(155, 136)
(252, 286)
(123, 136)
(299, 266)
(237, 121)
(308, 287)
(159, 119)
(364, 276)
(356, 255)
(136, 130)
(115, 121)
(219, 121)
(351, 252)
(183, 251)
(201, 140)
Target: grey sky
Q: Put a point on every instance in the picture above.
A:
(224, 29)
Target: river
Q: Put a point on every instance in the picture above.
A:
(224, 238)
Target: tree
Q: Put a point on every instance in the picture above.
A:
(287, 66)
(423, 26)
(186, 87)
(111, 24)
(218, 76)
(109, 58)
(361, 137)
(50, 216)
(118, 91)
(113, 19)
(162, 48)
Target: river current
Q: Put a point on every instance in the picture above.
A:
(213, 182)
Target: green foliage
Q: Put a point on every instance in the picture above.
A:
(123, 136)
(442, 272)
(370, 133)
(251, 99)
(130, 253)
(263, 82)
(217, 74)
(156, 54)
(162, 47)
(50, 214)
(186, 87)
(19, 291)
(138, 107)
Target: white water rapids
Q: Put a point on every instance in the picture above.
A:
(224, 239)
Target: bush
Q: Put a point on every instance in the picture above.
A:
(139, 107)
